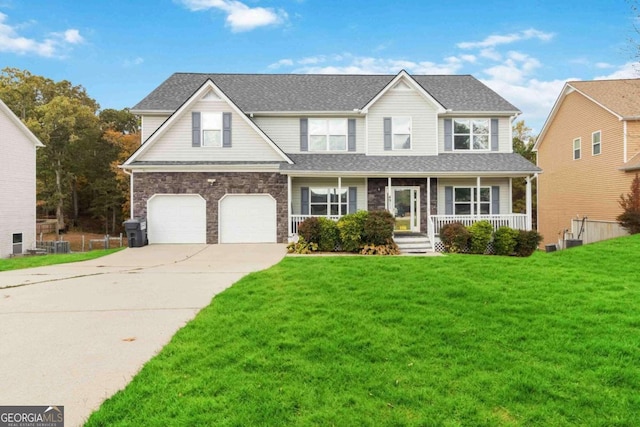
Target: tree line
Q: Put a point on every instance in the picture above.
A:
(78, 179)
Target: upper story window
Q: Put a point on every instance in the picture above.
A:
(471, 134)
(327, 134)
(576, 149)
(401, 131)
(596, 143)
(211, 129)
(465, 200)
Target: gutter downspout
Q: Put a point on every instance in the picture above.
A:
(130, 190)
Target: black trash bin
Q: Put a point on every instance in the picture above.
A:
(572, 243)
(136, 229)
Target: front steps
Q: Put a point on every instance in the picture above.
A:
(413, 243)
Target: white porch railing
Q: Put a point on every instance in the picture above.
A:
(297, 219)
(515, 221)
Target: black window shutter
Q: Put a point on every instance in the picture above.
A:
(495, 200)
(226, 129)
(494, 135)
(448, 135)
(387, 133)
(304, 134)
(304, 200)
(351, 134)
(448, 200)
(195, 129)
(353, 199)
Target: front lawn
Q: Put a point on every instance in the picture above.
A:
(406, 341)
(7, 264)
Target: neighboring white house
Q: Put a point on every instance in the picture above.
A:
(17, 184)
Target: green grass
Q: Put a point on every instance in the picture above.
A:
(550, 340)
(42, 260)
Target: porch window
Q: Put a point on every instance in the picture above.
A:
(326, 201)
(327, 134)
(471, 134)
(465, 200)
(211, 129)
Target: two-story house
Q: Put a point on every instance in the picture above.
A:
(589, 149)
(18, 146)
(246, 157)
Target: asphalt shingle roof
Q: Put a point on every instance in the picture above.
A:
(620, 96)
(320, 92)
(443, 162)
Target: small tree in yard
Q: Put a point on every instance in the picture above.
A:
(630, 217)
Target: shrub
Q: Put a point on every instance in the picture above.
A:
(481, 233)
(329, 235)
(455, 237)
(527, 242)
(504, 240)
(630, 216)
(389, 249)
(351, 228)
(310, 229)
(378, 228)
(301, 247)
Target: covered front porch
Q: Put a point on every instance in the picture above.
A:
(420, 205)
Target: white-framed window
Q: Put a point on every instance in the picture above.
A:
(327, 134)
(471, 134)
(401, 133)
(576, 148)
(326, 201)
(211, 129)
(596, 143)
(465, 200)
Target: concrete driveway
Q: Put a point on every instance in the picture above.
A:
(74, 334)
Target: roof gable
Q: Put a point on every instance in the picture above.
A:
(207, 90)
(19, 125)
(621, 98)
(400, 82)
(254, 93)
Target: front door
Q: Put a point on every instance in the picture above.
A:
(404, 204)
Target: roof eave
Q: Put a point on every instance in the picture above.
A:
(411, 174)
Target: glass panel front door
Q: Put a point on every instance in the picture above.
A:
(404, 206)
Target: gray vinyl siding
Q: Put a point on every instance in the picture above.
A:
(424, 122)
(175, 143)
(503, 183)
(298, 183)
(504, 134)
(150, 124)
(285, 132)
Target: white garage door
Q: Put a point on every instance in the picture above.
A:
(247, 218)
(177, 218)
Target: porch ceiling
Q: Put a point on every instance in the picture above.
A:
(444, 164)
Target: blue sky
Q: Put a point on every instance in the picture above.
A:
(121, 50)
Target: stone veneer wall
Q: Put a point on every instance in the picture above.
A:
(375, 198)
(146, 185)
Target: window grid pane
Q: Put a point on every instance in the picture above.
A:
(471, 134)
(211, 138)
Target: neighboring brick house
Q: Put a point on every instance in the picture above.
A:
(589, 149)
(245, 158)
(17, 184)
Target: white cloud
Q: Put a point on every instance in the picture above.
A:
(240, 17)
(603, 65)
(281, 63)
(630, 70)
(133, 62)
(498, 39)
(11, 41)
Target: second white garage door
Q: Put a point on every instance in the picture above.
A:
(177, 218)
(247, 218)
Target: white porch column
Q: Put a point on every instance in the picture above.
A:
(339, 197)
(428, 198)
(478, 197)
(529, 204)
(289, 207)
(388, 196)
(510, 195)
